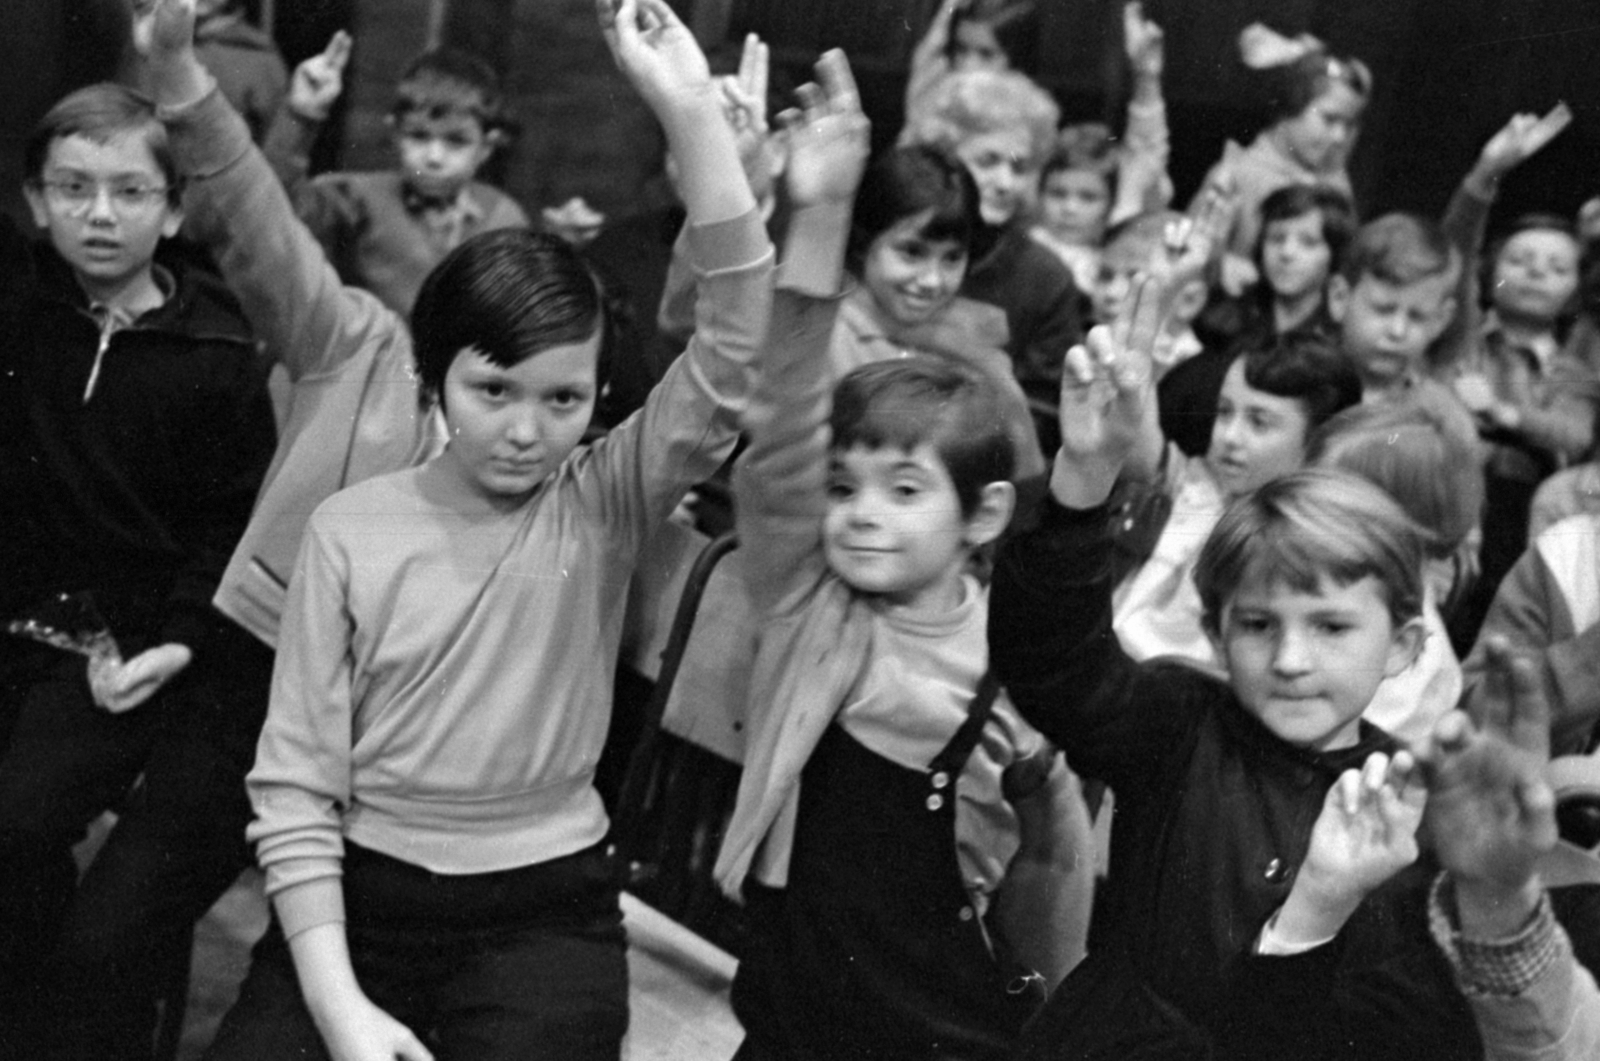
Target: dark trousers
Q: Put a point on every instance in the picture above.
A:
(522, 965)
(82, 961)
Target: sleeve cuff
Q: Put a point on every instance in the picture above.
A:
(304, 906)
(729, 244)
(1504, 967)
(210, 135)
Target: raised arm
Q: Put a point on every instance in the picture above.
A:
(930, 60)
(295, 301)
(1142, 180)
(315, 87)
(781, 480)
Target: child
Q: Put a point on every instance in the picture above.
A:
(1303, 238)
(915, 216)
(1090, 181)
(474, 870)
(243, 59)
(1000, 126)
(1391, 299)
(872, 729)
(137, 432)
(1491, 814)
(1548, 608)
(972, 35)
(1317, 103)
(1423, 451)
(386, 231)
(1255, 815)
(1273, 399)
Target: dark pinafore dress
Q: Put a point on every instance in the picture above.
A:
(874, 949)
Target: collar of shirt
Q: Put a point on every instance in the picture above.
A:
(1542, 349)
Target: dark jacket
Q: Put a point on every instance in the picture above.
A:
(138, 493)
(1214, 816)
(1044, 310)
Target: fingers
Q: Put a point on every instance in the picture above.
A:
(1530, 709)
(1542, 130)
(1496, 701)
(754, 68)
(337, 53)
(614, 15)
(657, 14)
(838, 81)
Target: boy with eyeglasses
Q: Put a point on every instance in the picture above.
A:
(134, 433)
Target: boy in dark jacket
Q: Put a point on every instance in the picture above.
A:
(1258, 819)
(137, 432)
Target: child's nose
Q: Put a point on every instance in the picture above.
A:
(1292, 654)
(100, 208)
(523, 428)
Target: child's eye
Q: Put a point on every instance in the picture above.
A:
(839, 490)
(566, 399)
(906, 491)
(494, 391)
(1332, 627)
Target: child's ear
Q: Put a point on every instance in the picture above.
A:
(1442, 320)
(173, 222)
(1405, 647)
(995, 504)
(36, 204)
(1338, 297)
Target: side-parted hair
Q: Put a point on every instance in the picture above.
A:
(903, 182)
(446, 82)
(975, 102)
(1085, 146)
(1298, 84)
(1297, 200)
(1401, 249)
(921, 399)
(1423, 450)
(1307, 526)
(100, 113)
(1014, 23)
(1308, 368)
(510, 294)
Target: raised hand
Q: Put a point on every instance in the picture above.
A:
(1524, 136)
(1367, 831)
(744, 104)
(1143, 41)
(1107, 385)
(163, 27)
(655, 51)
(318, 82)
(1491, 814)
(829, 137)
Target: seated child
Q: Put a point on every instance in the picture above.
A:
(1304, 233)
(385, 231)
(915, 216)
(1091, 181)
(1001, 126)
(1422, 449)
(1317, 102)
(1272, 399)
(1257, 814)
(137, 431)
(1548, 608)
(972, 35)
(872, 726)
(243, 58)
(1492, 817)
(430, 877)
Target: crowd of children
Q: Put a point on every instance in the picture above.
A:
(1279, 526)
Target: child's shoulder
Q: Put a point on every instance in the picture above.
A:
(390, 495)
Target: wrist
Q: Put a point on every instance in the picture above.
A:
(1492, 910)
(1316, 909)
(1484, 181)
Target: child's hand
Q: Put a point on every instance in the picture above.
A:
(1367, 831)
(828, 136)
(1519, 140)
(1143, 41)
(574, 221)
(656, 52)
(163, 27)
(123, 686)
(364, 1032)
(744, 104)
(1491, 814)
(1107, 383)
(318, 82)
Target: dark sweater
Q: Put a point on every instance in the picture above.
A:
(1043, 307)
(1214, 817)
(139, 493)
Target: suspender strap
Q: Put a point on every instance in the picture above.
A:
(953, 759)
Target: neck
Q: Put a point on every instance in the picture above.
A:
(1524, 331)
(1290, 313)
(134, 295)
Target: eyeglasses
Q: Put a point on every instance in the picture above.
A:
(76, 196)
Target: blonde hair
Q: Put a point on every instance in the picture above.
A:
(975, 102)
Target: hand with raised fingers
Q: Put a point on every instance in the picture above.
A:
(1524, 136)
(1143, 41)
(656, 52)
(162, 27)
(1107, 383)
(1491, 813)
(829, 138)
(121, 686)
(1367, 831)
(318, 82)
(744, 104)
